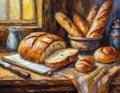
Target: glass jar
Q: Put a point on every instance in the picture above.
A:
(115, 35)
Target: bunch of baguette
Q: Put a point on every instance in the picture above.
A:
(91, 27)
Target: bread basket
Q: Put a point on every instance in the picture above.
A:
(85, 45)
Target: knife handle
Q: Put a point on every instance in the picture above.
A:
(20, 72)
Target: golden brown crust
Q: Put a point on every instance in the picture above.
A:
(25, 46)
(81, 23)
(73, 57)
(32, 47)
(92, 14)
(98, 27)
(62, 62)
(85, 64)
(68, 25)
(36, 34)
(106, 54)
(37, 49)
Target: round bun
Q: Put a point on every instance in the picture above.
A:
(106, 54)
(85, 64)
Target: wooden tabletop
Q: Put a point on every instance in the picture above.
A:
(45, 84)
(40, 83)
(5, 74)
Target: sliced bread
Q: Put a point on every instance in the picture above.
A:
(61, 57)
(39, 45)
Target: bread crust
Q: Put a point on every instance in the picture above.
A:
(98, 27)
(106, 54)
(59, 64)
(92, 14)
(26, 45)
(63, 62)
(85, 64)
(68, 25)
(73, 57)
(33, 45)
(81, 23)
(36, 34)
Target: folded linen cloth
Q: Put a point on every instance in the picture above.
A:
(95, 81)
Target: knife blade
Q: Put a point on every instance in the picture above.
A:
(20, 72)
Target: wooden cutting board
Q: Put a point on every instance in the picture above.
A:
(17, 60)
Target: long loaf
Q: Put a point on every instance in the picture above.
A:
(68, 25)
(81, 23)
(98, 27)
(92, 14)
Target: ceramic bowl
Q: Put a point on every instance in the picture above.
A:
(85, 45)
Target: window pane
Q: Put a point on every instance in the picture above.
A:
(15, 10)
(3, 9)
(28, 10)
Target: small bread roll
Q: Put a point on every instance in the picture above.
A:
(106, 54)
(85, 64)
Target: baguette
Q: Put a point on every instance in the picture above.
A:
(81, 23)
(98, 27)
(92, 14)
(68, 25)
(61, 57)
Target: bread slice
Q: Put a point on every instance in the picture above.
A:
(61, 57)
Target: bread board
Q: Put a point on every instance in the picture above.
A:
(17, 60)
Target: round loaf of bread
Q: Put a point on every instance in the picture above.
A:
(106, 54)
(39, 45)
(85, 64)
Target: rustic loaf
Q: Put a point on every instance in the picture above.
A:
(106, 54)
(98, 27)
(68, 25)
(81, 23)
(39, 45)
(85, 64)
(61, 58)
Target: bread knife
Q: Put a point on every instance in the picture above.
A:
(16, 70)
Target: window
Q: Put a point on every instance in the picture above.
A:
(21, 13)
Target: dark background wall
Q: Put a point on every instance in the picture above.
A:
(50, 7)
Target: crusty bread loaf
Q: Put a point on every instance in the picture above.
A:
(68, 25)
(106, 54)
(98, 27)
(61, 58)
(39, 45)
(85, 64)
(81, 23)
(92, 14)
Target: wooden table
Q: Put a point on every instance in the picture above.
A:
(11, 83)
